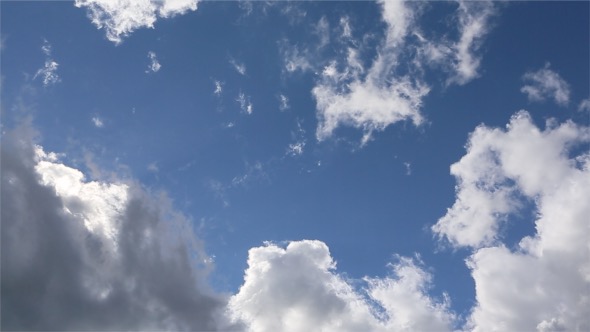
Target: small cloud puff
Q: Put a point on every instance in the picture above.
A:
(283, 103)
(545, 83)
(238, 66)
(97, 122)
(218, 88)
(245, 103)
(154, 65)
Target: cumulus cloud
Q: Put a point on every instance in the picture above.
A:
(94, 255)
(48, 73)
(542, 283)
(154, 65)
(545, 83)
(120, 18)
(297, 289)
(371, 99)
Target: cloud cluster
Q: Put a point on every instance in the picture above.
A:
(545, 83)
(89, 255)
(373, 97)
(297, 289)
(542, 283)
(121, 18)
(48, 73)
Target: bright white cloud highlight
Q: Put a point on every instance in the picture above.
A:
(542, 283)
(120, 18)
(297, 289)
(48, 73)
(545, 83)
(154, 65)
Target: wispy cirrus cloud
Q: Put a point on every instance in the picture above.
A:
(120, 18)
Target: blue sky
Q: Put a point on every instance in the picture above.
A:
(270, 132)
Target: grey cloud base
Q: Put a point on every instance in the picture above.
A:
(58, 275)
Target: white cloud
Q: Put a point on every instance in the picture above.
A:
(154, 65)
(322, 30)
(120, 18)
(345, 26)
(238, 66)
(48, 73)
(97, 122)
(245, 103)
(284, 103)
(377, 99)
(297, 148)
(584, 105)
(218, 88)
(408, 167)
(473, 25)
(297, 289)
(294, 58)
(542, 283)
(98, 255)
(46, 48)
(545, 83)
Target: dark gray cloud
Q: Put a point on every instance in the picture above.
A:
(59, 274)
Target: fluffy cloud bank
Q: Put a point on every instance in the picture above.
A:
(121, 18)
(88, 255)
(297, 289)
(543, 283)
